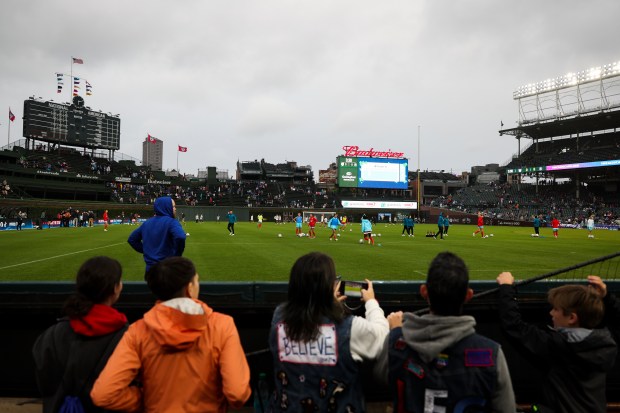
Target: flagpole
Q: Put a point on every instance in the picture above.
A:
(71, 80)
(178, 159)
(8, 139)
(419, 206)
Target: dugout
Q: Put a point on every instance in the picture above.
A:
(26, 309)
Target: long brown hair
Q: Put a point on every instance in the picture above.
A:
(311, 297)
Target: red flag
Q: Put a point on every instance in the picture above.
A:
(78, 61)
(182, 148)
(11, 116)
(151, 139)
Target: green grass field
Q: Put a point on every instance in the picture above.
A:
(260, 255)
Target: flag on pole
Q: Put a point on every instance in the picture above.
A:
(78, 61)
(11, 116)
(60, 80)
(182, 148)
(151, 139)
(89, 88)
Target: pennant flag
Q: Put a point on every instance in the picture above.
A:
(75, 92)
(60, 81)
(89, 88)
(11, 116)
(151, 139)
(182, 148)
(78, 61)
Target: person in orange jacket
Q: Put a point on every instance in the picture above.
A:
(186, 356)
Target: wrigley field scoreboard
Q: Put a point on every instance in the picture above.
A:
(71, 124)
(370, 171)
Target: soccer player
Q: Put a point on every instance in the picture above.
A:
(106, 219)
(590, 225)
(311, 224)
(536, 226)
(232, 218)
(260, 221)
(334, 224)
(367, 230)
(480, 225)
(440, 224)
(298, 223)
(555, 225)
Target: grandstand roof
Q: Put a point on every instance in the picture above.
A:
(590, 122)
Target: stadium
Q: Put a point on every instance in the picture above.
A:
(58, 180)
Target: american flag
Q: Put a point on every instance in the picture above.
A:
(182, 148)
(78, 61)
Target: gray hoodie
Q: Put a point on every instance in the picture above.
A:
(430, 334)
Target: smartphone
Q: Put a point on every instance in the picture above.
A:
(352, 288)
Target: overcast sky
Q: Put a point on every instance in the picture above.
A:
(296, 80)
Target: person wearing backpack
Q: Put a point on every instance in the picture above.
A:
(70, 354)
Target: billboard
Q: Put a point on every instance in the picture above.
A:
(563, 167)
(382, 173)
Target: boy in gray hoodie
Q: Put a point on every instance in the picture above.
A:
(437, 361)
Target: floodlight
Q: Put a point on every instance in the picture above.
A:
(568, 80)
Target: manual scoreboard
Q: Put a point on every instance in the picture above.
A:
(71, 124)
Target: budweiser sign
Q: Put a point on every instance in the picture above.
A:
(354, 151)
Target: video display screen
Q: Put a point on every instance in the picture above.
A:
(386, 173)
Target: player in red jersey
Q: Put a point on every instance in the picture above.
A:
(555, 225)
(106, 218)
(480, 225)
(311, 225)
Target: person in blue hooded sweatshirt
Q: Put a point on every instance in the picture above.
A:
(161, 236)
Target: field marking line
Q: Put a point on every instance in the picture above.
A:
(59, 256)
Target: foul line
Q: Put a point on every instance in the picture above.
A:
(59, 256)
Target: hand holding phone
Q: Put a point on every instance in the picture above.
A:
(357, 289)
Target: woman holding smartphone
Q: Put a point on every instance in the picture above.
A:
(317, 346)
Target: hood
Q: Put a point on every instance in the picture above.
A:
(596, 349)
(163, 207)
(177, 324)
(100, 320)
(430, 334)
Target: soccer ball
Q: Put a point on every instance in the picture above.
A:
(187, 234)
(374, 235)
(491, 234)
(337, 235)
(361, 241)
(279, 235)
(378, 235)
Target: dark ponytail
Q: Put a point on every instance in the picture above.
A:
(95, 282)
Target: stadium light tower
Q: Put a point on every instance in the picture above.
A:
(590, 90)
(570, 79)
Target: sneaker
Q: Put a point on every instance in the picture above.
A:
(105, 230)
(473, 234)
(232, 235)
(402, 235)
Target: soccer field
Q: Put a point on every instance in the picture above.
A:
(260, 255)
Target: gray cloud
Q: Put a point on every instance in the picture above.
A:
(276, 79)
